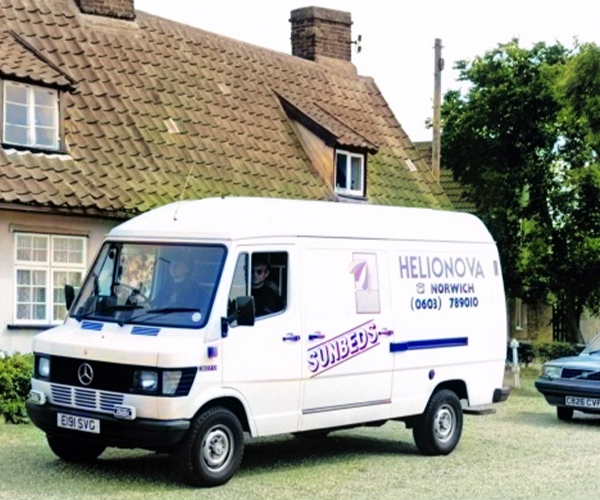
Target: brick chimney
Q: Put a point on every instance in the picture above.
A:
(119, 9)
(319, 32)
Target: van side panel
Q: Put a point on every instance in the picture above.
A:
(448, 302)
(347, 320)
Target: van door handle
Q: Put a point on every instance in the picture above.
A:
(316, 336)
(385, 331)
(291, 337)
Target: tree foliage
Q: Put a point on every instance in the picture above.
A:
(524, 140)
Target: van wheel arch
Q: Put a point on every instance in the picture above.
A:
(232, 404)
(458, 387)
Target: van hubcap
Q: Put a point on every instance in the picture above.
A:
(443, 425)
(217, 447)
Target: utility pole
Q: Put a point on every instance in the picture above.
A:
(437, 99)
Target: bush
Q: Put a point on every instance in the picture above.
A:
(15, 382)
(525, 353)
(546, 351)
(528, 351)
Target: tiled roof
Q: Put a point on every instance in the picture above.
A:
(155, 110)
(452, 188)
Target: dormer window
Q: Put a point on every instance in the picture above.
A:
(30, 116)
(349, 173)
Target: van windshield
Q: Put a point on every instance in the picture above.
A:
(151, 284)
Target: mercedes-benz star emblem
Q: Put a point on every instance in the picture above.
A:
(85, 373)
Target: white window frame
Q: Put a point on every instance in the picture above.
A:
(47, 266)
(32, 123)
(351, 187)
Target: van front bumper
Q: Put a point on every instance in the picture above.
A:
(139, 433)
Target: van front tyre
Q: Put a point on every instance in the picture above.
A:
(74, 451)
(438, 430)
(212, 449)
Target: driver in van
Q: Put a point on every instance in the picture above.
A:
(181, 290)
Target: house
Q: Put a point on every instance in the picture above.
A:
(108, 112)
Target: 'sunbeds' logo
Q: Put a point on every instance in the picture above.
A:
(342, 348)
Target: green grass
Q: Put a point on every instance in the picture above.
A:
(521, 451)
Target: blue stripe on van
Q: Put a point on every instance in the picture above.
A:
(143, 330)
(91, 325)
(414, 345)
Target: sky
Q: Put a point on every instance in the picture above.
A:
(398, 36)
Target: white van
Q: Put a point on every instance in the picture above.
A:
(373, 313)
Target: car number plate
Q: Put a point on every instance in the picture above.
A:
(582, 402)
(78, 423)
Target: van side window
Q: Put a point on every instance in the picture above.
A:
(269, 282)
(264, 275)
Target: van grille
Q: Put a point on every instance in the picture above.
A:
(106, 378)
(85, 399)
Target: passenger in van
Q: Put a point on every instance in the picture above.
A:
(266, 299)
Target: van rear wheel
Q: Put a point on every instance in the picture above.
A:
(438, 430)
(73, 450)
(212, 450)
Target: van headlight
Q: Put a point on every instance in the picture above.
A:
(145, 381)
(170, 381)
(43, 367)
(551, 371)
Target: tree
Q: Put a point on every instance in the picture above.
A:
(520, 140)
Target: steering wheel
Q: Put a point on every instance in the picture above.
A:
(135, 296)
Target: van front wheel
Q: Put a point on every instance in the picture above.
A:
(213, 448)
(438, 430)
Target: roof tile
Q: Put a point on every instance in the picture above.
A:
(233, 136)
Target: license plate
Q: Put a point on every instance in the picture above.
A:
(78, 423)
(582, 402)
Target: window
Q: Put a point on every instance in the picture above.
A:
(265, 279)
(152, 284)
(30, 116)
(44, 264)
(349, 173)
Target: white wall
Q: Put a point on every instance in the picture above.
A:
(19, 340)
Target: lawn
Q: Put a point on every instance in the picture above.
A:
(521, 451)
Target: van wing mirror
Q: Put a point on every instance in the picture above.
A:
(69, 296)
(243, 313)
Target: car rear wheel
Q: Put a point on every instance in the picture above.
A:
(564, 413)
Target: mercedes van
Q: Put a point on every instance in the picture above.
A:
(383, 313)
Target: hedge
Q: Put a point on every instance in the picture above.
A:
(15, 382)
(540, 352)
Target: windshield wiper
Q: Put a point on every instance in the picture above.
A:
(107, 310)
(161, 311)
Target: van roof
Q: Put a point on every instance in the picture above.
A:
(231, 218)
